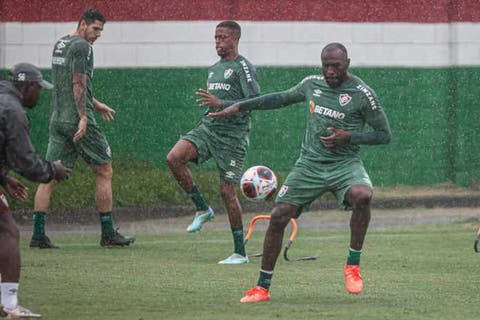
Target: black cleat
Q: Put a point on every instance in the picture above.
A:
(116, 240)
(42, 243)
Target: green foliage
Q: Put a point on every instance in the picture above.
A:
(409, 273)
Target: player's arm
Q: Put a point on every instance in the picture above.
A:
(80, 55)
(105, 111)
(21, 155)
(375, 117)
(264, 102)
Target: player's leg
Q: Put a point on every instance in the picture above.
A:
(10, 265)
(60, 147)
(359, 197)
(191, 148)
(303, 184)
(178, 157)
(229, 155)
(355, 193)
(41, 205)
(234, 210)
(103, 200)
(95, 150)
(272, 245)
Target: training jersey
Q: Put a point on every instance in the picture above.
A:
(348, 107)
(231, 81)
(71, 54)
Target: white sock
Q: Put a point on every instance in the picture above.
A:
(9, 294)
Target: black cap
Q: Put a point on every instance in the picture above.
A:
(26, 72)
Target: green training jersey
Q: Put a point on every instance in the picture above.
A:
(71, 54)
(231, 81)
(348, 107)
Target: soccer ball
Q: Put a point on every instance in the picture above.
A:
(258, 183)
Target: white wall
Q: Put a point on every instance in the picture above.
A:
(191, 43)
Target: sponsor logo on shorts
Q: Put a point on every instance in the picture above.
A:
(227, 73)
(233, 163)
(108, 151)
(282, 191)
(344, 99)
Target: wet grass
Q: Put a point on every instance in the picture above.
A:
(428, 272)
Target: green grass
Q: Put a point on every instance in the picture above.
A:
(410, 273)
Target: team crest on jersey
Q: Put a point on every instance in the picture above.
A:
(317, 93)
(227, 73)
(210, 74)
(282, 191)
(344, 99)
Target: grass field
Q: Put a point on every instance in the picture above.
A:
(410, 272)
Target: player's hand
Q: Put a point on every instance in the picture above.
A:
(16, 189)
(61, 172)
(105, 111)
(337, 138)
(206, 99)
(82, 129)
(234, 108)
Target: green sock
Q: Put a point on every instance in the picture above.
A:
(353, 257)
(38, 224)
(238, 243)
(106, 220)
(198, 200)
(265, 279)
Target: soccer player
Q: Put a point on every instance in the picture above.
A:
(339, 106)
(225, 140)
(17, 153)
(74, 130)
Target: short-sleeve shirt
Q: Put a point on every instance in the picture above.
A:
(71, 54)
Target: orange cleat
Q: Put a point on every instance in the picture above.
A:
(353, 279)
(256, 294)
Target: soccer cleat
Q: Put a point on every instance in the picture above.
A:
(256, 294)
(117, 240)
(353, 279)
(234, 259)
(42, 243)
(18, 312)
(201, 217)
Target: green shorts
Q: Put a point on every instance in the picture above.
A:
(93, 147)
(229, 154)
(308, 181)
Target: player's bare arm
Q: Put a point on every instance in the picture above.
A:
(206, 99)
(105, 111)
(80, 96)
